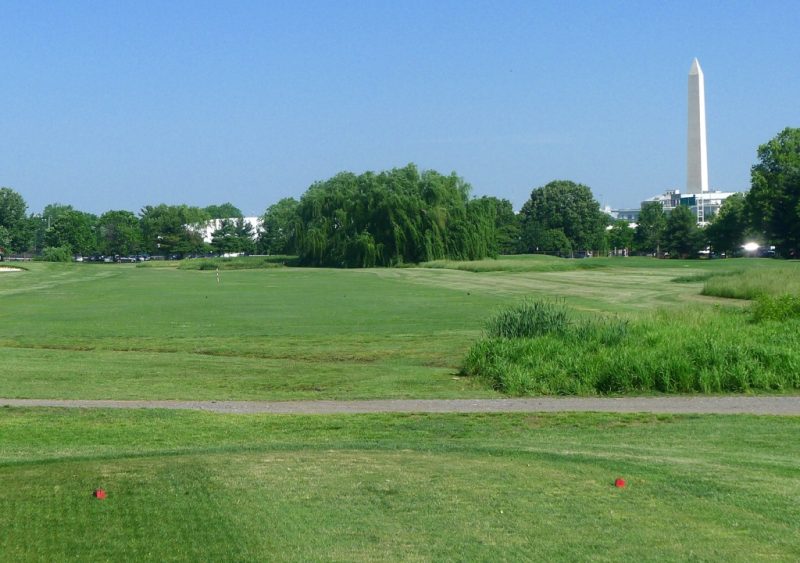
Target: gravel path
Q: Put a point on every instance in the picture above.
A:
(773, 405)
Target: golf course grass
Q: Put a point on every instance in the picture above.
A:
(198, 486)
(121, 332)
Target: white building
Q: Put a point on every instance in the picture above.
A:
(703, 204)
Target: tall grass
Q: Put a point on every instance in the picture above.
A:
(781, 308)
(752, 283)
(240, 263)
(513, 264)
(528, 319)
(704, 276)
(680, 351)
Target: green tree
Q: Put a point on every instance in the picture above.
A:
(74, 230)
(730, 226)
(224, 239)
(39, 224)
(506, 223)
(682, 237)
(5, 241)
(246, 234)
(565, 207)
(173, 229)
(119, 233)
(389, 218)
(57, 254)
(233, 236)
(223, 211)
(620, 236)
(278, 227)
(13, 220)
(773, 203)
(649, 234)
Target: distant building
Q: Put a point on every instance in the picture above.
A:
(630, 214)
(703, 204)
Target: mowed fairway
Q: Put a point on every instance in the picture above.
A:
(509, 487)
(125, 332)
(121, 332)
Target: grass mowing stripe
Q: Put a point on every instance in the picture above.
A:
(367, 487)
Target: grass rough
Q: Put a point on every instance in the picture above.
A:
(674, 351)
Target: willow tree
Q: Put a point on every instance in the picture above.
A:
(392, 217)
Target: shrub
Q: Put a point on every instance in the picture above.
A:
(57, 254)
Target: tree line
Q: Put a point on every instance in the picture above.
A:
(408, 216)
(61, 231)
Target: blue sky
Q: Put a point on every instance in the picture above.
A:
(116, 105)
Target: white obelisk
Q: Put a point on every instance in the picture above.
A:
(697, 155)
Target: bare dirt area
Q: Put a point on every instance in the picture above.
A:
(762, 405)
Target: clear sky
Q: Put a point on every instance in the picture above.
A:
(116, 105)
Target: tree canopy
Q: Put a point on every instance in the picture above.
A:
(166, 229)
(562, 217)
(233, 235)
(620, 236)
(74, 230)
(773, 203)
(729, 226)
(223, 211)
(119, 232)
(13, 222)
(682, 237)
(650, 227)
(279, 224)
(390, 218)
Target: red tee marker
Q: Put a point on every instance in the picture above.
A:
(99, 494)
(619, 483)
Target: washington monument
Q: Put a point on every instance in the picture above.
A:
(697, 156)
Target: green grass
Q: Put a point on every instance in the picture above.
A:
(782, 278)
(125, 332)
(122, 332)
(195, 486)
(519, 263)
(239, 263)
(542, 348)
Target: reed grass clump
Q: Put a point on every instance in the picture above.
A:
(528, 319)
(676, 351)
(753, 283)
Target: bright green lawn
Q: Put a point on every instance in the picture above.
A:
(116, 331)
(198, 486)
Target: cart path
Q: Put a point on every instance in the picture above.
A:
(769, 405)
